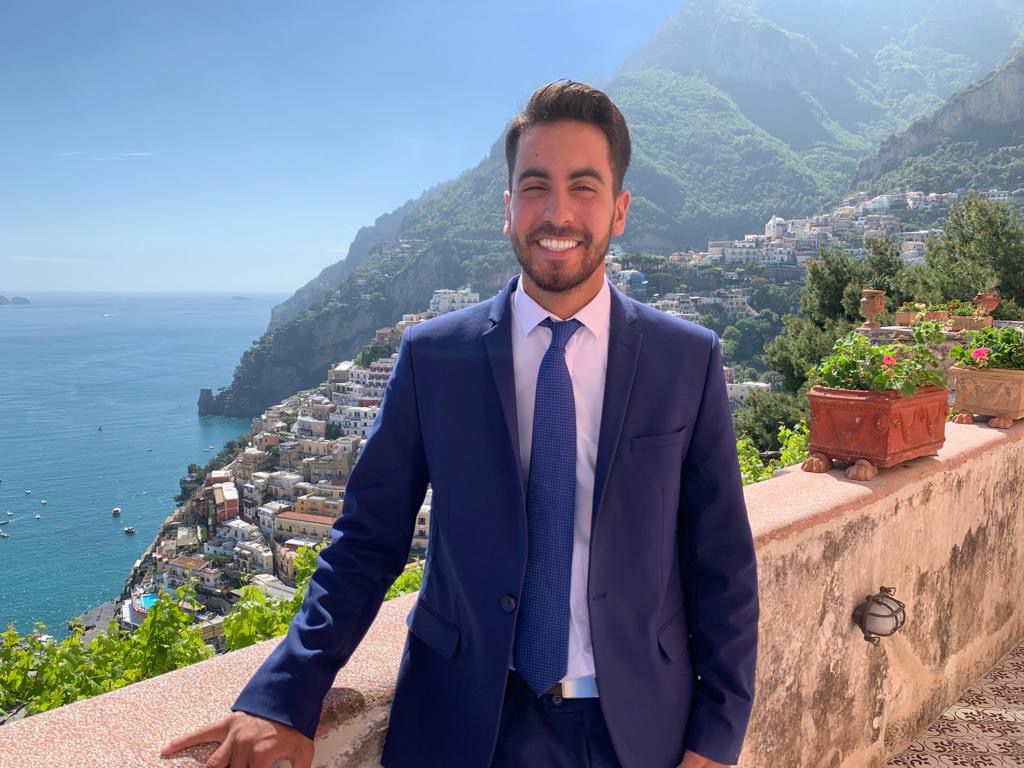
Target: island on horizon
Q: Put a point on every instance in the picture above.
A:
(13, 300)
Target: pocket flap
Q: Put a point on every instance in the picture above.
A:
(673, 637)
(433, 629)
(656, 441)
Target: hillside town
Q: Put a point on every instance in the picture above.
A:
(245, 523)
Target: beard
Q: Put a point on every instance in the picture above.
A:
(561, 276)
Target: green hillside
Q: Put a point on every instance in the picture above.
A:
(739, 109)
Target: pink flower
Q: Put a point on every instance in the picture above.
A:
(888, 360)
(980, 355)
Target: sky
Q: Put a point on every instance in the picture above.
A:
(239, 146)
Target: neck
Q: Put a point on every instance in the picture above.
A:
(564, 304)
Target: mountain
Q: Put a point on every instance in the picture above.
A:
(973, 141)
(739, 109)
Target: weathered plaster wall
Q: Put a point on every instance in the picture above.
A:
(947, 532)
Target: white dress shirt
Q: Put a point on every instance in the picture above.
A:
(586, 356)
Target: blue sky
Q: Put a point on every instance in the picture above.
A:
(238, 146)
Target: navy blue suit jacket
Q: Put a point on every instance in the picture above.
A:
(673, 584)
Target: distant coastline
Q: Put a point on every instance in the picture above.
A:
(4, 301)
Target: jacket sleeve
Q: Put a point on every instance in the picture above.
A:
(368, 550)
(720, 574)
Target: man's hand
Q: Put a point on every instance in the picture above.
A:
(692, 760)
(247, 741)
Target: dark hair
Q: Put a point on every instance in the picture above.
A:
(566, 100)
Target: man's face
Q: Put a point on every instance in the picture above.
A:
(561, 211)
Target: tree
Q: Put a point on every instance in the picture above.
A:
(763, 413)
(781, 299)
(38, 674)
(982, 248)
(885, 270)
(833, 281)
(800, 347)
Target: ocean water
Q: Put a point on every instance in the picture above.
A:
(133, 364)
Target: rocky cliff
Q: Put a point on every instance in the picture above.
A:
(988, 115)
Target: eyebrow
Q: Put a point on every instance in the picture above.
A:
(581, 173)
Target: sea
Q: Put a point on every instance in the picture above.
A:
(98, 410)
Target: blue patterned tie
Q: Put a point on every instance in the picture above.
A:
(542, 628)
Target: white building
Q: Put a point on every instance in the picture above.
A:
(738, 393)
(446, 300)
(267, 514)
(355, 420)
(238, 530)
(254, 556)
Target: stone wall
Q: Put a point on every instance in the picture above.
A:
(946, 532)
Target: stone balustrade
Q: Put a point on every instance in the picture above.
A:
(946, 532)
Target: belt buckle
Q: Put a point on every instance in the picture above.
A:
(580, 688)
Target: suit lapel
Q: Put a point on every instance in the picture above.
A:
(624, 340)
(498, 341)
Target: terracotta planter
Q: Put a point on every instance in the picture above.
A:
(872, 303)
(874, 430)
(969, 323)
(995, 392)
(987, 301)
(905, 317)
(940, 315)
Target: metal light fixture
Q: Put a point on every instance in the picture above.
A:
(880, 615)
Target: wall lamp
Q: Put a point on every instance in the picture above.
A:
(880, 615)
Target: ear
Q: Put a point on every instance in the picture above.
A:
(507, 227)
(619, 215)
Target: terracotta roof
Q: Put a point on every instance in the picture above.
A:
(299, 517)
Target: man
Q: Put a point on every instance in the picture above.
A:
(590, 593)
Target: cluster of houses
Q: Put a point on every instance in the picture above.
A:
(859, 217)
(247, 521)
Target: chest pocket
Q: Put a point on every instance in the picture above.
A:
(657, 441)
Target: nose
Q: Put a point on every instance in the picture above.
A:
(557, 210)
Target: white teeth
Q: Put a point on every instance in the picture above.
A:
(557, 245)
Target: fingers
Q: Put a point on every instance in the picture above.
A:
(221, 758)
(302, 755)
(215, 732)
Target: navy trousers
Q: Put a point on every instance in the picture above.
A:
(551, 732)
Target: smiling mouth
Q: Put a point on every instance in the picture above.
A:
(557, 245)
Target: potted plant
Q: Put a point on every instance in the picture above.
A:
(876, 406)
(939, 312)
(909, 312)
(988, 376)
(967, 316)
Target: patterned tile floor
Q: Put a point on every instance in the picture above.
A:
(984, 729)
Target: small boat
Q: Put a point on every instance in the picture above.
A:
(44, 502)
(9, 513)
(28, 492)
(129, 530)
(39, 517)
(4, 522)
(116, 512)
(4, 535)
(99, 429)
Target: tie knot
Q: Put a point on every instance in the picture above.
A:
(561, 331)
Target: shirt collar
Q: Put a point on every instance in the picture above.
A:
(595, 316)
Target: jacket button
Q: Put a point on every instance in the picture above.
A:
(508, 603)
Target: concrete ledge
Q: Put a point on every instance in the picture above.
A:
(947, 532)
(127, 727)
